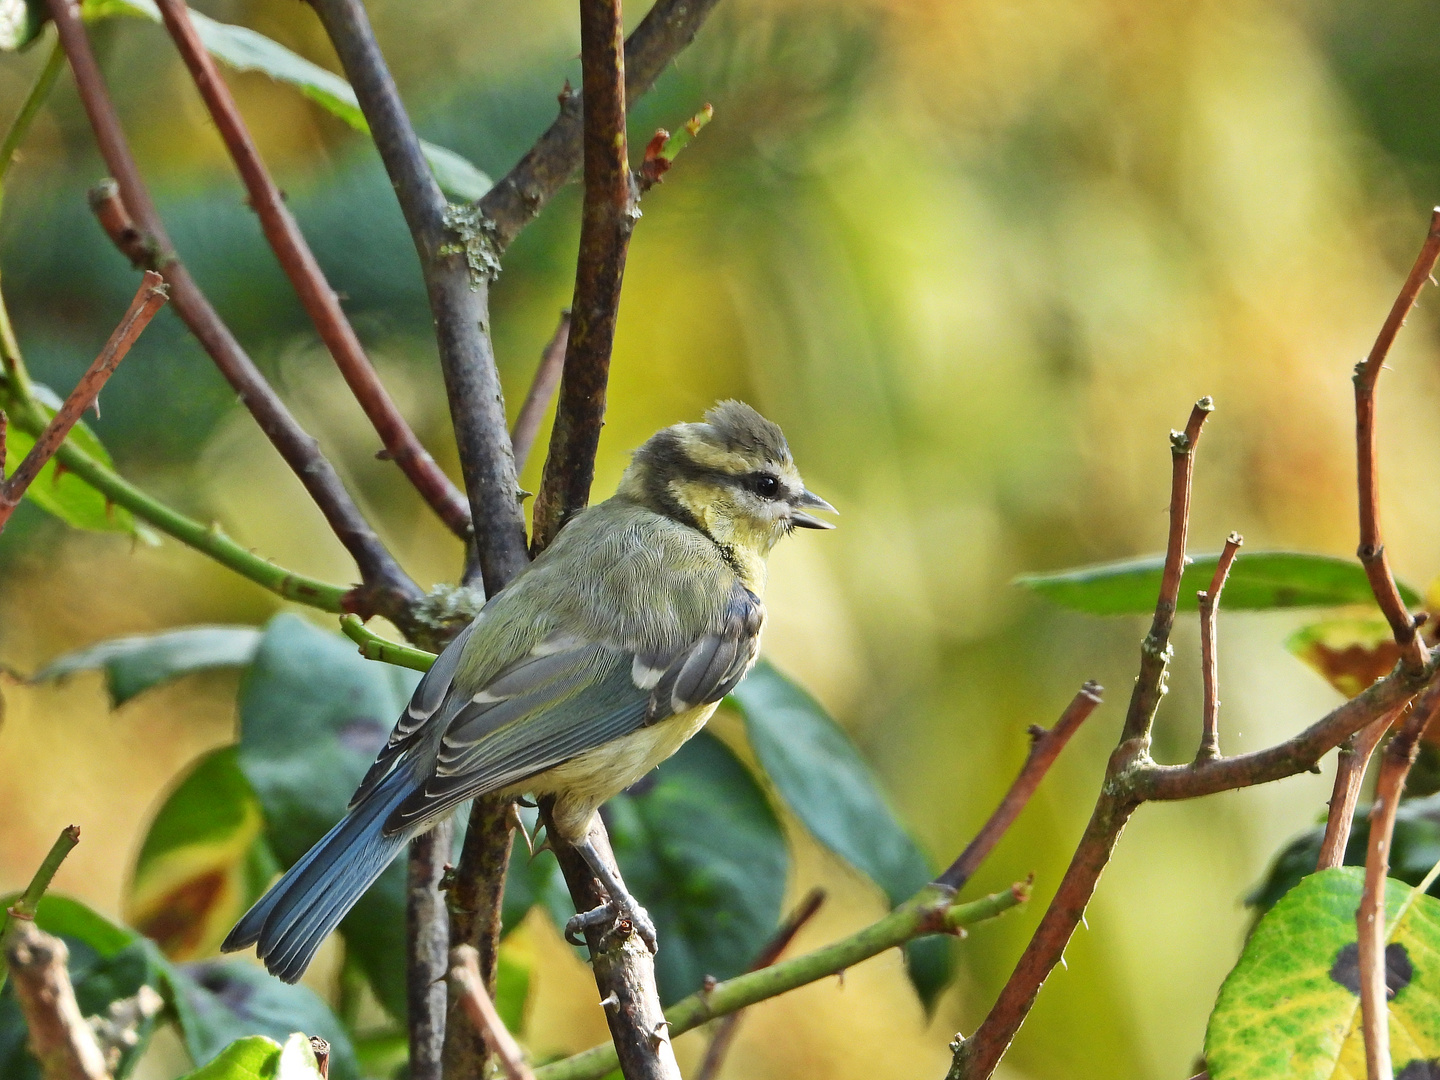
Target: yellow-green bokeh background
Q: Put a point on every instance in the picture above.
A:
(977, 259)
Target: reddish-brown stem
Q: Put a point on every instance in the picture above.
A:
(1045, 747)
(4, 430)
(726, 1027)
(387, 589)
(542, 390)
(976, 1057)
(1354, 758)
(321, 1049)
(1209, 663)
(148, 300)
(1367, 374)
(316, 295)
(1395, 762)
(465, 974)
(607, 219)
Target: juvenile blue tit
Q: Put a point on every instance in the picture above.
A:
(589, 669)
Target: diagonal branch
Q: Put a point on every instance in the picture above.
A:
(668, 27)
(465, 974)
(148, 300)
(58, 1034)
(542, 390)
(1354, 758)
(386, 589)
(316, 295)
(456, 262)
(1367, 374)
(606, 221)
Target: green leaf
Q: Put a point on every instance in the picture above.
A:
(64, 494)
(245, 50)
(1259, 581)
(700, 847)
(829, 787)
(107, 963)
(133, 665)
(1414, 849)
(204, 860)
(219, 1002)
(1291, 1006)
(20, 22)
(255, 1058)
(313, 715)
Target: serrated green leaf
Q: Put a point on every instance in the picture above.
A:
(313, 714)
(253, 1058)
(826, 783)
(204, 860)
(700, 847)
(133, 665)
(246, 50)
(20, 23)
(219, 1002)
(63, 493)
(1259, 581)
(1291, 1006)
(106, 963)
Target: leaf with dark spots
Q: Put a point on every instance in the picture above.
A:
(1398, 969)
(1349, 654)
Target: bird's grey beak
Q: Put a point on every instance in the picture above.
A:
(814, 502)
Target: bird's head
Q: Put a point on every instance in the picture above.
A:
(731, 476)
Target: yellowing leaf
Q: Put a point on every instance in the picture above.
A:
(1291, 1007)
(1349, 654)
(203, 862)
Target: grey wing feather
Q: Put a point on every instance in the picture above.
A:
(712, 666)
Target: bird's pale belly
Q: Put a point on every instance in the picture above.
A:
(583, 783)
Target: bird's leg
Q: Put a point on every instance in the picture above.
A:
(621, 907)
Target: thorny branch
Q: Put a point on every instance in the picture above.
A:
(725, 1029)
(606, 221)
(386, 588)
(1367, 374)
(148, 300)
(316, 295)
(1209, 665)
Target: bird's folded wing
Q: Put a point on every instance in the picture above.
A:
(570, 695)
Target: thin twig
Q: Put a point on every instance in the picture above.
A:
(977, 1056)
(456, 259)
(375, 647)
(1209, 663)
(932, 910)
(59, 1036)
(148, 300)
(668, 27)
(725, 1030)
(1372, 545)
(25, 908)
(1352, 761)
(30, 108)
(1045, 747)
(542, 390)
(606, 222)
(1395, 764)
(314, 291)
(465, 973)
(387, 589)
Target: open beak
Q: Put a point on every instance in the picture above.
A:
(810, 500)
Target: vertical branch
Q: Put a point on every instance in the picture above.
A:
(1395, 764)
(148, 300)
(387, 589)
(976, 1057)
(1367, 374)
(1353, 758)
(457, 258)
(607, 219)
(1209, 664)
(427, 941)
(315, 293)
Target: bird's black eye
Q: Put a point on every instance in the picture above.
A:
(764, 485)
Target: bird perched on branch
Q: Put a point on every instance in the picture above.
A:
(589, 669)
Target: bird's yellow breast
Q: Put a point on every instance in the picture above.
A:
(581, 784)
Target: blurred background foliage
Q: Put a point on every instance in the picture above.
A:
(976, 258)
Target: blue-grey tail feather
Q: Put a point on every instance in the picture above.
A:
(290, 921)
